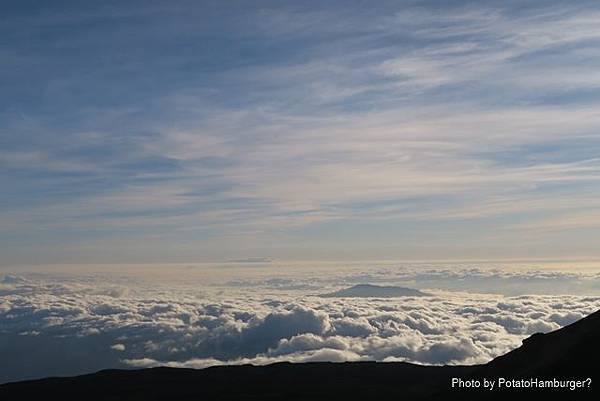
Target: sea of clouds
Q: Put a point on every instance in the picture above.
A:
(75, 322)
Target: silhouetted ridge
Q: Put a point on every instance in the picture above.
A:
(568, 352)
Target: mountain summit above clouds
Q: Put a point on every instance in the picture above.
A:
(567, 354)
(13, 279)
(374, 291)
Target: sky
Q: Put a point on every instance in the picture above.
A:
(152, 131)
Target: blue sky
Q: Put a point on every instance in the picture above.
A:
(175, 131)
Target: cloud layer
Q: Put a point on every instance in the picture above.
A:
(48, 328)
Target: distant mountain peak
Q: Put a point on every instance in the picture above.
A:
(13, 279)
(374, 291)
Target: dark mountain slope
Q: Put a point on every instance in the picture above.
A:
(573, 351)
(280, 381)
(569, 353)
